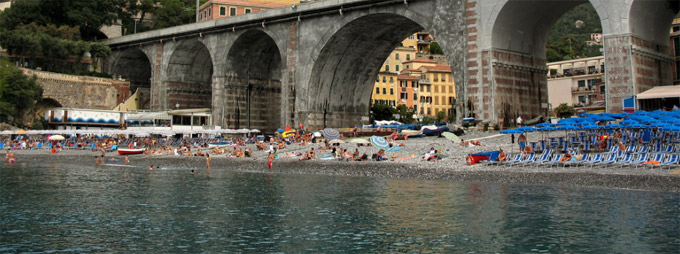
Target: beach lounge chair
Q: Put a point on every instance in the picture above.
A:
(555, 159)
(631, 149)
(113, 148)
(656, 157)
(511, 159)
(613, 149)
(596, 158)
(671, 160)
(586, 147)
(611, 158)
(642, 158)
(545, 156)
(529, 158)
(657, 147)
(642, 150)
(575, 161)
(625, 159)
(668, 149)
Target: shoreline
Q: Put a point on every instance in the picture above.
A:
(644, 179)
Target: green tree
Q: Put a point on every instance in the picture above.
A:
(405, 114)
(173, 13)
(383, 112)
(441, 116)
(18, 94)
(564, 111)
(567, 41)
(427, 120)
(90, 15)
(435, 49)
(33, 40)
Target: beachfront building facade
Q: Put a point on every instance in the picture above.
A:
(412, 77)
(578, 83)
(384, 89)
(408, 91)
(438, 92)
(217, 9)
(89, 119)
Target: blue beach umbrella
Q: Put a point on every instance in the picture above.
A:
(620, 115)
(586, 114)
(547, 128)
(527, 129)
(613, 126)
(658, 125)
(512, 131)
(590, 127)
(628, 122)
(566, 121)
(641, 113)
(540, 125)
(636, 126)
(330, 134)
(568, 128)
(604, 118)
(671, 128)
(660, 112)
(379, 142)
(649, 121)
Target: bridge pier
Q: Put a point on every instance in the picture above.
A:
(633, 65)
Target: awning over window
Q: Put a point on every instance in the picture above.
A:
(660, 92)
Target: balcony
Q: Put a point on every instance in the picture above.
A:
(583, 90)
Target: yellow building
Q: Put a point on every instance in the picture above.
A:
(435, 91)
(385, 90)
(442, 90)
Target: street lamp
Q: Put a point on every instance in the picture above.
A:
(136, 20)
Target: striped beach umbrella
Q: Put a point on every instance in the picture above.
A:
(379, 142)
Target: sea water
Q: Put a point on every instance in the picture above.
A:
(64, 208)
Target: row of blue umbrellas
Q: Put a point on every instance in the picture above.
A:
(664, 120)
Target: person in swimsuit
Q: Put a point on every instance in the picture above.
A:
(207, 160)
(270, 159)
(9, 157)
(522, 141)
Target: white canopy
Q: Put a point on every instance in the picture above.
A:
(660, 92)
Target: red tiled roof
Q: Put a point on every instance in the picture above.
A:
(438, 68)
(407, 77)
(420, 61)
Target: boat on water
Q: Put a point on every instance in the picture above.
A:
(218, 144)
(126, 151)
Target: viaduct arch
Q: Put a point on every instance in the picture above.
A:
(314, 64)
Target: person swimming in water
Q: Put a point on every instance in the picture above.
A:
(9, 157)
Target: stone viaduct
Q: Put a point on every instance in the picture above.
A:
(315, 63)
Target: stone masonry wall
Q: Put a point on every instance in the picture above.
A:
(264, 110)
(618, 73)
(81, 91)
(472, 91)
(189, 95)
(520, 87)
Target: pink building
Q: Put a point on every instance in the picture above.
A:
(217, 9)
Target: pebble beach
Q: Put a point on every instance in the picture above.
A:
(451, 167)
